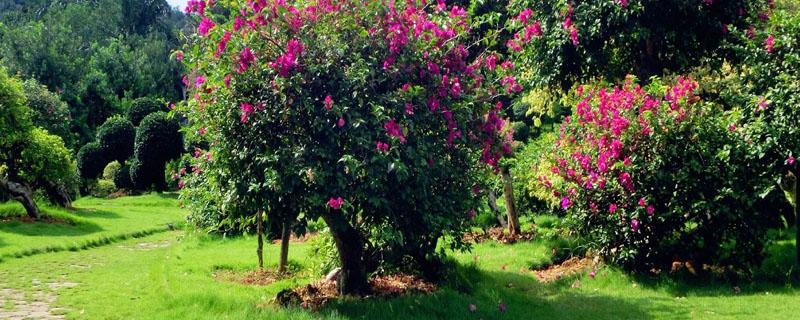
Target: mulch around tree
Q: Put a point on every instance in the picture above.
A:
(252, 278)
(499, 235)
(567, 268)
(316, 295)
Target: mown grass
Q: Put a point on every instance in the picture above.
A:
(175, 281)
(93, 223)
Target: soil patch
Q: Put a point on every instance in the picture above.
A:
(28, 220)
(252, 278)
(567, 268)
(499, 235)
(296, 239)
(316, 295)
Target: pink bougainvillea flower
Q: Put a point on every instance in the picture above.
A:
(491, 62)
(340, 123)
(790, 160)
(565, 203)
(525, 15)
(623, 3)
(335, 204)
(651, 210)
(393, 130)
(592, 274)
(198, 82)
(769, 43)
(247, 109)
(202, 131)
(642, 202)
(732, 127)
(635, 225)
(612, 208)
(573, 35)
(382, 146)
(179, 55)
(204, 26)
(328, 102)
(227, 81)
(246, 58)
(409, 108)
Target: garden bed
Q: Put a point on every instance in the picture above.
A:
(316, 295)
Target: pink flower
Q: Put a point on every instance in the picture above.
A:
(769, 43)
(525, 15)
(635, 225)
(335, 204)
(382, 146)
(790, 160)
(612, 208)
(289, 61)
(179, 56)
(409, 108)
(732, 127)
(650, 210)
(340, 123)
(247, 109)
(328, 102)
(246, 58)
(471, 214)
(491, 62)
(198, 82)
(623, 3)
(393, 130)
(565, 203)
(202, 131)
(205, 26)
(573, 35)
(592, 274)
(227, 81)
(642, 203)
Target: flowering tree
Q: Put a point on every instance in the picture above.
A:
(373, 115)
(654, 174)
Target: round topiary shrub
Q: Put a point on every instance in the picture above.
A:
(653, 175)
(116, 137)
(122, 178)
(91, 161)
(142, 107)
(158, 140)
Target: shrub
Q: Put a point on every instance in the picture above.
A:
(102, 188)
(652, 174)
(111, 170)
(116, 137)
(49, 112)
(91, 160)
(158, 140)
(143, 107)
(122, 178)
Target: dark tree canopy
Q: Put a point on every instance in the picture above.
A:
(142, 107)
(158, 140)
(91, 161)
(116, 137)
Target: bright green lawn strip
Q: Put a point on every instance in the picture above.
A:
(176, 282)
(95, 222)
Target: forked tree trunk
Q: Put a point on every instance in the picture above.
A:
(259, 233)
(286, 233)
(24, 194)
(511, 210)
(350, 245)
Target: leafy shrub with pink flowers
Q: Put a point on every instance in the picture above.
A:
(653, 174)
(373, 115)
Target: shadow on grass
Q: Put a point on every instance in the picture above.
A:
(167, 195)
(522, 296)
(92, 213)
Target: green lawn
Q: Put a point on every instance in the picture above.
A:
(169, 275)
(94, 222)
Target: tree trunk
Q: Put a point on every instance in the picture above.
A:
(57, 195)
(259, 233)
(24, 194)
(493, 206)
(350, 245)
(511, 210)
(287, 231)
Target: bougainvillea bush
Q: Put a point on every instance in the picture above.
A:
(652, 175)
(575, 41)
(373, 115)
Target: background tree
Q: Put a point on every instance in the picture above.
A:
(142, 107)
(158, 141)
(91, 160)
(116, 137)
(49, 112)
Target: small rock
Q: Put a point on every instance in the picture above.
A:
(334, 275)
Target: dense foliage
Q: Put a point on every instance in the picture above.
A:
(115, 137)
(654, 174)
(158, 140)
(96, 55)
(49, 112)
(91, 160)
(579, 40)
(142, 107)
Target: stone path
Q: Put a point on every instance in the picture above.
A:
(21, 305)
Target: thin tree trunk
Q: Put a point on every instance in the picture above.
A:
(287, 231)
(24, 194)
(493, 206)
(350, 245)
(511, 210)
(259, 232)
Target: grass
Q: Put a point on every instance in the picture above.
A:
(169, 275)
(95, 222)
